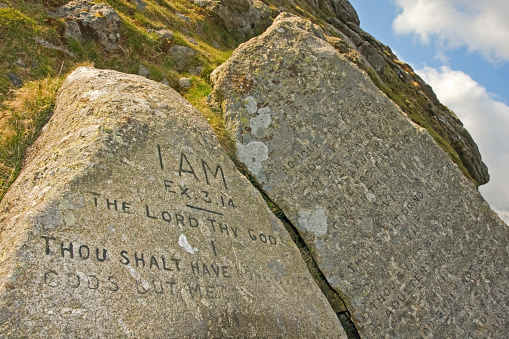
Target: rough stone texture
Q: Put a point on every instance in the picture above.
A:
(243, 17)
(344, 11)
(185, 83)
(15, 79)
(394, 226)
(403, 86)
(181, 55)
(95, 21)
(129, 220)
(72, 30)
(163, 34)
(392, 76)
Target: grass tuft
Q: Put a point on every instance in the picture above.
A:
(21, 122)
(197, 96)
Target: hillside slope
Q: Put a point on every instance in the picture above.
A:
(179, 43)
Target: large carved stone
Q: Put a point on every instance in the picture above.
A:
(129, 220)
(396, 229)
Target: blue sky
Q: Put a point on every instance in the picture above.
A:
(461, 48)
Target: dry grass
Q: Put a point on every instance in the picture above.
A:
(20, 124)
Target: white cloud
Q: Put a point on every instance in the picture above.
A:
(486, 119)
(480, 25)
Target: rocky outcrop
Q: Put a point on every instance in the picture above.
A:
(87, 20)
(395, 78)
(416, 98)
(396, 229)
(245, 18)
(344, 11)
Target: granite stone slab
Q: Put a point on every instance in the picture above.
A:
(394, 226)
(129, 220)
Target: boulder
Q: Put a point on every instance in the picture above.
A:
(185, 83)
(246, 18)
(395, 228)
(129, 220)
(87, 20)
(181, 55)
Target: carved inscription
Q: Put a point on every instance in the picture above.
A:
(204, 201)
(366, 206)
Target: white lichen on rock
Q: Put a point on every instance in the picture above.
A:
(252, 155)
(314, 221)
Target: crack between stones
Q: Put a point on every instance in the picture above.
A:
(335, 301)
(333, 298)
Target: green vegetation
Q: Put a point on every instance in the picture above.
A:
(21, 124)
(196, 95)
(24, 111)
(25, 23)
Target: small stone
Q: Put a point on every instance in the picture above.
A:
(163, 34)
(181, 55)
(183, 17)
(165, 82)
(72, 30)
(15, 79)
(185, 83)
(20, 63)
(143, 71)
(192, 40)
(49, 45)
(196, 71)
(179, 51)
(203, 3)
(140, 4)
(216, 45)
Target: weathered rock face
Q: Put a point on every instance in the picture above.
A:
(92, 21)
(344, 11)
(130, 221)
(397, 230)
(398, 81)
(243, 17)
